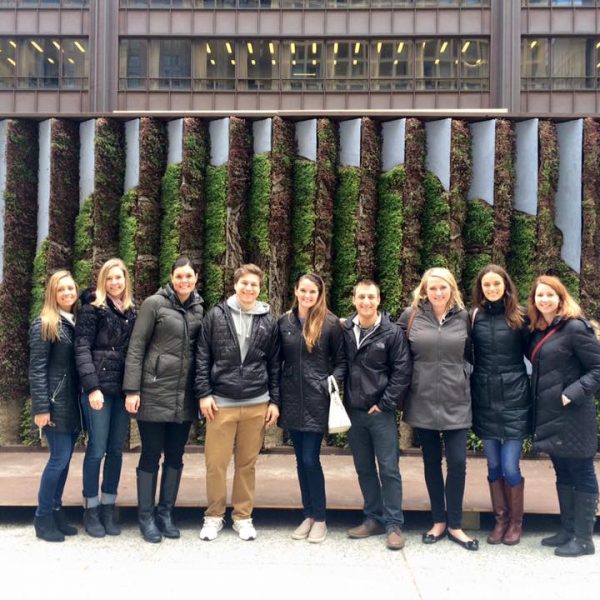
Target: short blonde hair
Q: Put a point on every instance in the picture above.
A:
(420, 292)
(101, 283)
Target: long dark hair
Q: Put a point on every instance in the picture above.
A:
(513, 312)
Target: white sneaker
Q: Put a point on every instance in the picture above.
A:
(210, 528)
(245, 529)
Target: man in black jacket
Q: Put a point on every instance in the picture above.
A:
(377, 381)
(237, 383)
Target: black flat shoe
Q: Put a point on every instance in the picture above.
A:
(472, 545)
(429, 538)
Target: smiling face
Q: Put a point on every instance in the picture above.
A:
(493, 287)
(115, 282)
(66, 294)
(247, 289)
(307, 294)
(366, 302)
(547, 302)
(438, 292)
(183, 280)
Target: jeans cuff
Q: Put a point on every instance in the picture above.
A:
(108, 498)
(91, 502)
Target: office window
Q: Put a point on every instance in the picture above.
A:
(436, 64)
(474, 64)
(214, 65)
(133, 64)
(74, 63)
(258, 67)
(564, 3)
(170, 64)
(347, 66)
(8, 63)
(535, 63)
(44, 3)
(302, 65)
(391, 65)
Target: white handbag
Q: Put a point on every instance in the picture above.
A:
(339, 421)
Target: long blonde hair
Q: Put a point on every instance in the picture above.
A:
(567, 307)
(50, 313)
(420, 292)
(101, 284)
(313, 325)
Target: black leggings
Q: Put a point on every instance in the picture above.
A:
(157, 438)
(449, 498)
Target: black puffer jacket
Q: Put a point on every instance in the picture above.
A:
(567, 363)
(160, 358)
(101, 339)
(379, 371)
(304, 391)
(219, 368)
(499, 382)
(53, 377)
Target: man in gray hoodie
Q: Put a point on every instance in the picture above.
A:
(237, 383)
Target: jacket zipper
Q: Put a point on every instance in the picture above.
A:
(58, 388)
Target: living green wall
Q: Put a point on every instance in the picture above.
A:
(171, 210)
(303, 218)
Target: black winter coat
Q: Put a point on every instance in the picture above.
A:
(304, 391)
(567, 363)
(53, 377)
(379, 372)
(160, 358)
(101, 340)
(219, 368)
(499, 382)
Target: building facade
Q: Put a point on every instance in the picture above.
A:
(96, 56)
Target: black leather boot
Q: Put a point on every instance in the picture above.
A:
(91, 522)
(146, 490)
(60, 518)
(46, 529)
(109, 519)
(566, 501)
(169, 487)
(585, 517)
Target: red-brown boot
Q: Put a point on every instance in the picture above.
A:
(500, 509)
(514, 495)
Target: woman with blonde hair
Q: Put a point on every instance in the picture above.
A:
(102, 333)
(565, 356)
(439, 402)
(312, 349)
(55, 399)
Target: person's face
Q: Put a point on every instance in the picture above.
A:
(115, 282)
(546, 301)
(247, 289)
(66, 294)
(307, 294)
(492, 286)
(438, 292)
(183, 280)
(366, 301)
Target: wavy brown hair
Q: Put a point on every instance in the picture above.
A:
(313, 325)
(50, 313)
(567, 307)
(513, 311)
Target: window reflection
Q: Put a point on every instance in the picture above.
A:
(258, 67)
(391, 65)
(302, 65)
(214, 62)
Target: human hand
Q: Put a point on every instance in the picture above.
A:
(132, 403)
(208, 408)
(374, 409)
(41, 420)
(96, 399)
(272, 415)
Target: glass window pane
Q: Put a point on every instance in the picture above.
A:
(391, 65)
(133, 64)
(302, 65)
(474, 63)
(436, 64)
(8, 63)
(214, 65)
(347, 65)
(258, 64)
(170, 64)
(74, 63)
(535, 66)
(38, 63)
(568, 63)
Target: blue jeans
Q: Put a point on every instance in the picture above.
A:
(307, 446)
(577, 473)
(55, 473)
(503, 460)
(107, 429)
(375, 437)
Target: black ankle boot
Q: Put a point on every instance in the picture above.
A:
(585, 517)
(169, 487)
(91, 522)
(146, 489)
(109, 519)
(566, 502)
(45, 529)
(60, 518)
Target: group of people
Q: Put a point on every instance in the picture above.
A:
(444, 368)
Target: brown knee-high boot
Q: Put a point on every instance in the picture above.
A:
(500, 509)
(514, 494)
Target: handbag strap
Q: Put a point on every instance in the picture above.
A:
(333, 386)
(538, 346)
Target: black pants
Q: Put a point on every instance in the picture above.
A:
(158, 438)
(449, 498)
(577, 473)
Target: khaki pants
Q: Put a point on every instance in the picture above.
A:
(238, 431)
